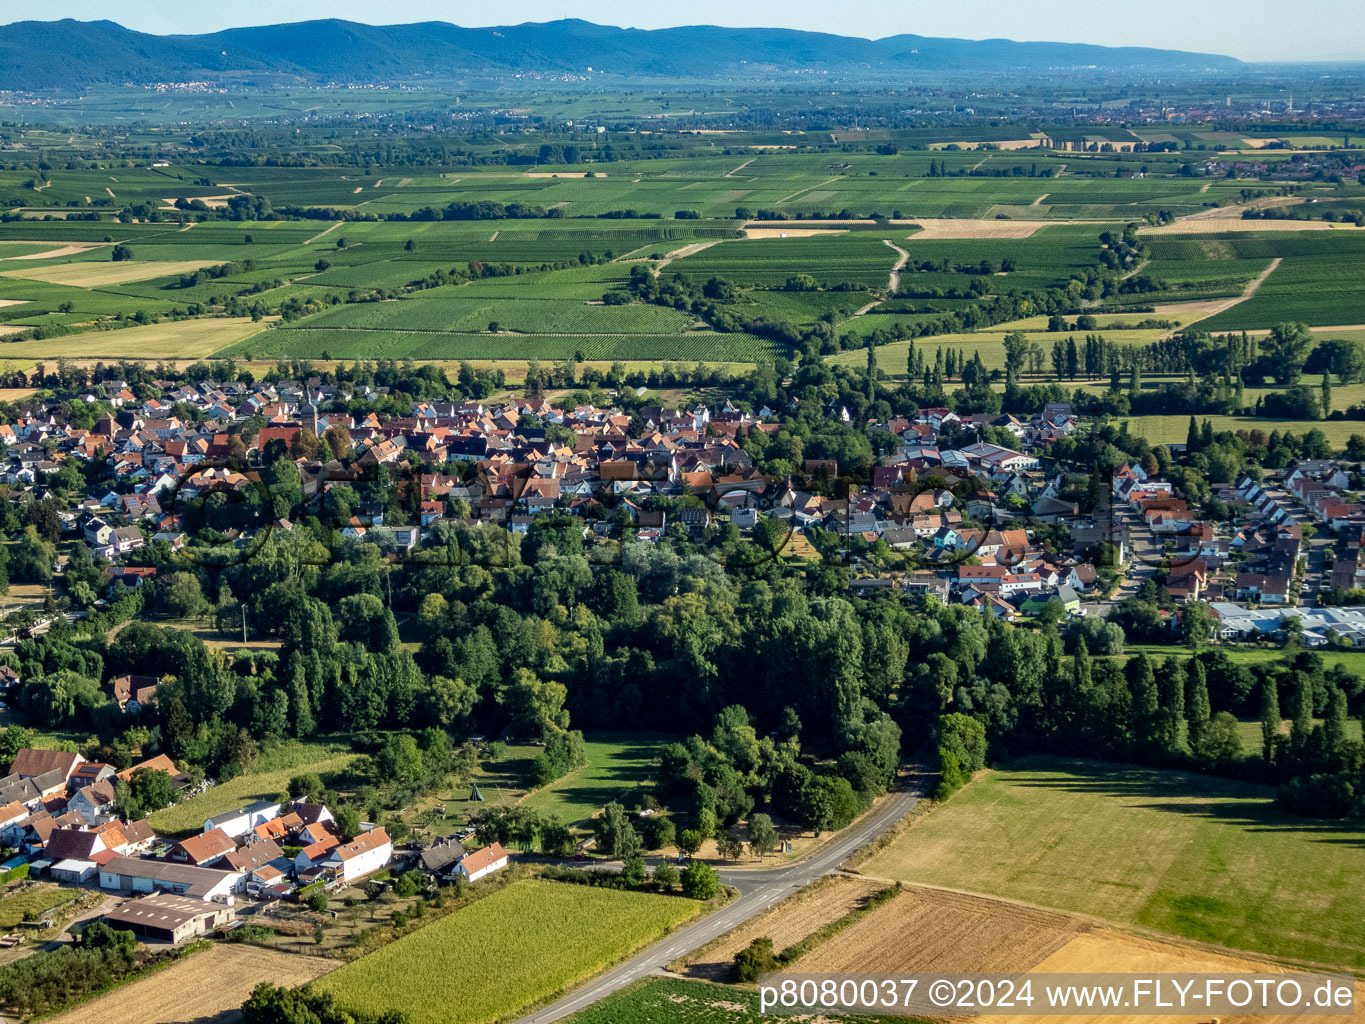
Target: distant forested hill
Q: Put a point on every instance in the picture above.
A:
(104, 52)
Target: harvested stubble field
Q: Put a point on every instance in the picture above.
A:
(790, 921)
(207, 986)
(1202, 858)
(1189, 225)
(175, 339)
(933, 931)
(100, 274)
(931, 227)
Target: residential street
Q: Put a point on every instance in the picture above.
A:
(1318, 576)
(759, 890)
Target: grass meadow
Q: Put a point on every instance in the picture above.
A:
(616, 764)
(1193, 856)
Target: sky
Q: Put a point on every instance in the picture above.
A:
(1249, 29)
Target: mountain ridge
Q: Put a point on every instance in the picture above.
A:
(338, 50)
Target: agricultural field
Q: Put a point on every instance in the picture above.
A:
(470, 966)
(207, 986)
(854, 261)
(173, 339)
(1192, 856)
(1166, 429)
(99, 274)
(551, 272)
(1206, 267)
(695, 346)
(990, 345)
(931, 931)
(1317, 281)
(448, 310)
(825, 900)
(956, 932)
(269, 777)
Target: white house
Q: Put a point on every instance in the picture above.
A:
(12, 817)
(94, 802)
(363, 855)
(239, 822)
(483, 862)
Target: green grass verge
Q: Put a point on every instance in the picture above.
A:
(670, 1000)
(506, 952)
(1194, 856)
(1351, 661)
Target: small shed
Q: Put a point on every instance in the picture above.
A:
(74, 870)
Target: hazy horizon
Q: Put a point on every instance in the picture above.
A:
(1236, 29)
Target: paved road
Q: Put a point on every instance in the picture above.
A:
(1145, 556)
(759, 890)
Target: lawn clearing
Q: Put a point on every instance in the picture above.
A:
(616, 764)
(208, 986)
(1194, 856)
(1244, 654)
(98, 274)
(274, 769)
(506, 952)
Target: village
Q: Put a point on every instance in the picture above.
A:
(971, 510)
(943, 512)
(60, 822)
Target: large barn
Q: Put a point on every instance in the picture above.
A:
(165, 918)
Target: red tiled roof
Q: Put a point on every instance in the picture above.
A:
(480, 859)
(31, 762)
(370, 840)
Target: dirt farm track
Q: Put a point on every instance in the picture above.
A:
(206, 988)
